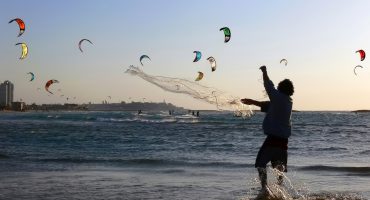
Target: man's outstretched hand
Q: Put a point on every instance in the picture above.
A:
(263, 68)
(247, 101)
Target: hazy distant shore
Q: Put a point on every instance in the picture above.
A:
(361, 111)
(133, 106)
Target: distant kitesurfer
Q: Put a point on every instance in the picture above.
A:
(276, 125)
(139, 112)
(197, 113)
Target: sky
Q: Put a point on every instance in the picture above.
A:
(318, 38)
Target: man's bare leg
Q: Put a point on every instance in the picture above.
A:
(280, 177)
(263, 177)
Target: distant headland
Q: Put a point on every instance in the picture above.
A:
(361, 111)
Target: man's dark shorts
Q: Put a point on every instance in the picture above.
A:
(274, 150)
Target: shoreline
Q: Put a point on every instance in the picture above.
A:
(133, 110)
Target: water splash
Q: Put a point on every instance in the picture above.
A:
(288, 191)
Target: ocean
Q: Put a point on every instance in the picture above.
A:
(122, 155)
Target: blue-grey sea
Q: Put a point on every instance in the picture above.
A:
(122, 155)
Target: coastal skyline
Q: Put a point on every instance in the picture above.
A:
(319, 40)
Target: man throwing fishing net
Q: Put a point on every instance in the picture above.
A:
(276, 125)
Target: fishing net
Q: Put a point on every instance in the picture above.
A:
(220, 99)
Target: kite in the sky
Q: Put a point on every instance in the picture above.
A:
(80, 43)
(21, 24)
(354, 69)
(198, 56)
(200, 76)
(227, 33)
(362, 54)
(285, 61)
(213, 63)
(24, 50)
(142, 57)
(32, 76)
(47, 85)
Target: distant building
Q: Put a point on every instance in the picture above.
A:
(18, 106)
(6, 94)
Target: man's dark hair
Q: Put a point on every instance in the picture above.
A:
(286, 87)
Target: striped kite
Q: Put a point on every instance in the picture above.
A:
(47, 85)
(21, 24)
(32, 76)
(362, 54)
(227, 33)
(142, 57)
(24, 50)
(198, 56)
(213, 63)
(200, 76)
(79, 43)
(285, 61)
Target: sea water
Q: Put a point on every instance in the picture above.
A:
(122, 155)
